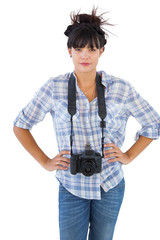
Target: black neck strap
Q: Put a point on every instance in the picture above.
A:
(101, 105)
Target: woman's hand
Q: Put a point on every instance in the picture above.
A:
(116, 154)
(58, 162)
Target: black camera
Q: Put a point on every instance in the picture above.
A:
(87, 163)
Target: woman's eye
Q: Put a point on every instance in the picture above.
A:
(78, 49)
(92, 49)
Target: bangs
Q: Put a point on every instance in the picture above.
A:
(82, 38)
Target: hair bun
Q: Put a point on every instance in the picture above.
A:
(85, 18)
(95, 21)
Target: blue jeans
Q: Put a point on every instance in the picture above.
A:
(77, 214)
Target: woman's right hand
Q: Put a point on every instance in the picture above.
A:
(58, 162)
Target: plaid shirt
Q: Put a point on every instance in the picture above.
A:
(122, 101)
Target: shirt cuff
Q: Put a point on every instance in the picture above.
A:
(19, 122)
(149, 132)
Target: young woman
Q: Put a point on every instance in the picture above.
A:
(92, 196)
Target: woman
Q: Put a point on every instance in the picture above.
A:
(88, 198)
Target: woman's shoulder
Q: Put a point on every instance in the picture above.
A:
(116, 83)
(57, 82)
(54, 85)
(60, 78)
(114, 80)
(117, 87)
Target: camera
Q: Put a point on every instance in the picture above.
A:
(88, 162)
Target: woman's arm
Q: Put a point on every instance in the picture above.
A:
(128, 156)
(29, 143)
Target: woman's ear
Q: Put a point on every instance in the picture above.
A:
(101, 51)
(70, 51)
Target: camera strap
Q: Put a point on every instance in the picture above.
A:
(101, 105)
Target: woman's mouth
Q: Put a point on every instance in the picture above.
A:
(85, 64)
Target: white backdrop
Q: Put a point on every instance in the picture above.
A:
(33, 49)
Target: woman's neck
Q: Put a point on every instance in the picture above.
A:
(87, 83)
(85, 79)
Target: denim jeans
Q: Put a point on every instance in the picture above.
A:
(77, 214)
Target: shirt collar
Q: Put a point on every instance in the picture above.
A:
(106, 78)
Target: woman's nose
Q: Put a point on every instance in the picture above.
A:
(84, 54)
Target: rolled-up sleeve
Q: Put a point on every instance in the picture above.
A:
(37, 108)
(145, 114)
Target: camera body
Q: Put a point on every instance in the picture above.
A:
(88, 162)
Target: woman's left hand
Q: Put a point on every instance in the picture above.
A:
(116, 154)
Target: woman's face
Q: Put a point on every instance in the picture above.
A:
(85, 59)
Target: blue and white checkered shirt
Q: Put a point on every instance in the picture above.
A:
(122, 101)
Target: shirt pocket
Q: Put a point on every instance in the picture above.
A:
(115, 122)
(63, 119)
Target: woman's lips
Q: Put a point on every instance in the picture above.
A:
(85, 64)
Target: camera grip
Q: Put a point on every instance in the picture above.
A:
(73, 166)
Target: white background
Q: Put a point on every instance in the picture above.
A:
(33, 49)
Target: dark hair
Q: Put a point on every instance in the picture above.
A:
(86, 29)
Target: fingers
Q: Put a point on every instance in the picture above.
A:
(112, 149)
(63, 153)
(61, 168)
(63, 159)
(58, 162)
(113, 154)
(62, 163)
(112, 145)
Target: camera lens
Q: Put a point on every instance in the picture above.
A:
(88, 168)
